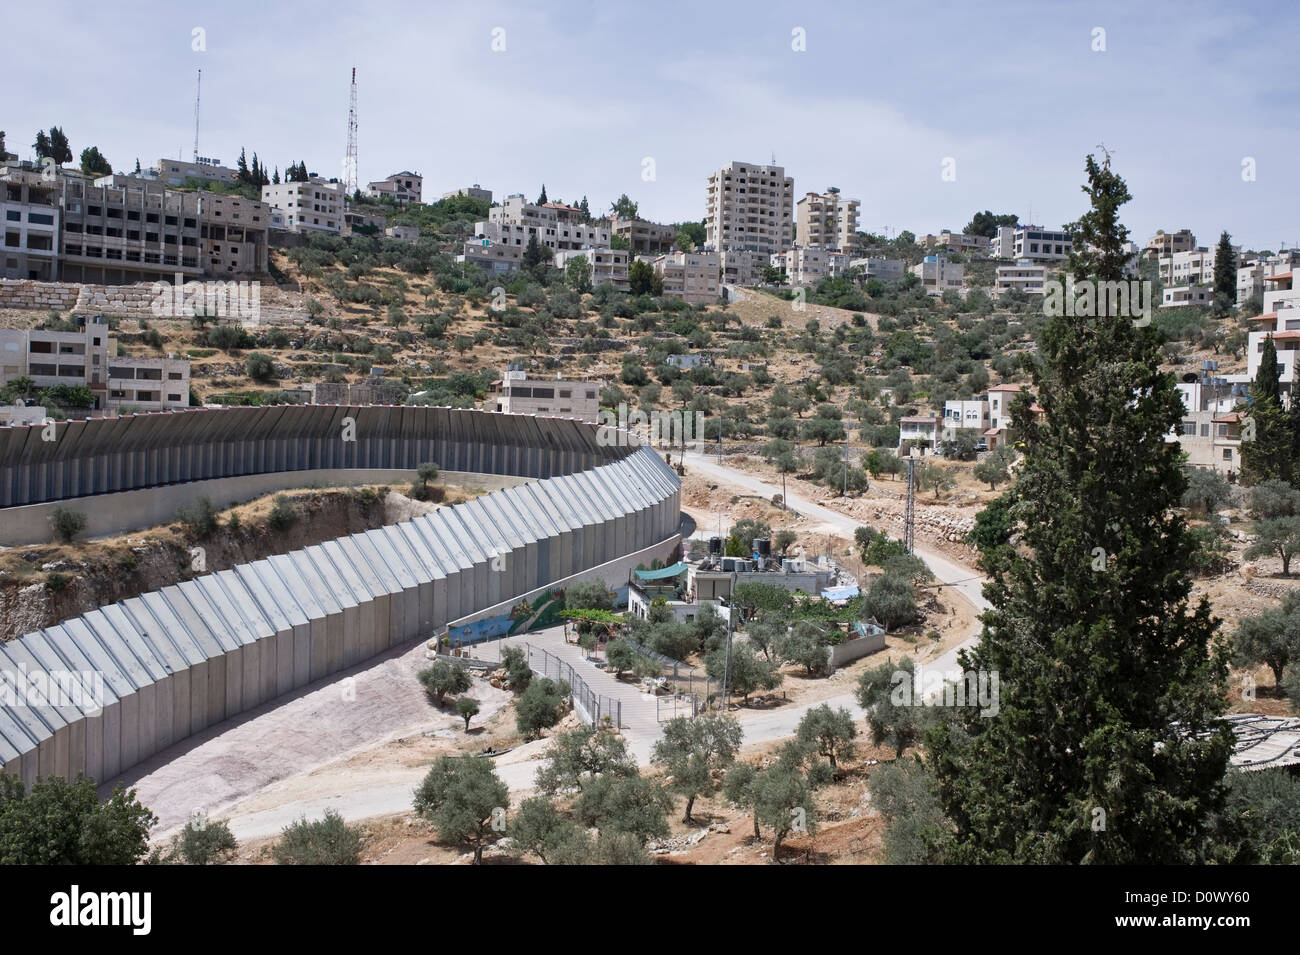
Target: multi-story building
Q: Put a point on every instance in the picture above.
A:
(750, 206)
(557, 226)
(1175, 296)
(121, 229)
(364, 223)
(741, 267)
(400, 187)
(312, 206)
(1210, 429)
(1001, 398)
(938, 275)
(827, 221)
(491, 256)
(1194, 267)
(516, 393)
(174, 172)
(1167, 243)
(949, 241)
(474, 192)
(1252, 271)
(643, 237)
(88, 357)
(919, 430)
(887, 270)
(1030, 242)
(30, 210)
(966, 415)
(804, 266)
(608, 266)
(691, 276)
(1025, 275)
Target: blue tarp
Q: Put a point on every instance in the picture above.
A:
(841, 593)
(662, 573)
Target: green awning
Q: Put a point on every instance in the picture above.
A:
(662, 573)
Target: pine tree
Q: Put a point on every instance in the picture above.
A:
(275, 177)
(1107, 672)
(534, 254)
(1267, 448)
(541, 200)
(241, 168)
(137, 165)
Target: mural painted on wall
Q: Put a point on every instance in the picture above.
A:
(544, 611)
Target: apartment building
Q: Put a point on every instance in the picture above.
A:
(749, 206)
(949, 241)
(1252, 271)
(966, 415)
(516, 393)
(557, 226)
(401, 187)
(1167, 243)
(88, 357)
(938, 275)
(643, 237)
(312, 206)
(30, 211)
(1210, 429)
(1025, 276)
(474, 192)
(805, 266)
(495, 257)
(691, 276)
(887, 270)
(1030, 242)
(919, 430)
(608, 266)
(1001, 398)
(174, 172)
(827, 220)
(121, 229)
(1192, 267)
(741, 267)
(1175, 296)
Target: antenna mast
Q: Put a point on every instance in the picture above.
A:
(350, 163)
(198, 89)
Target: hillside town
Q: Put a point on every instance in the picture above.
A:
(352, 521)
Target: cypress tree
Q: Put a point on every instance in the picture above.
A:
(1268, 436)
(1105, 746)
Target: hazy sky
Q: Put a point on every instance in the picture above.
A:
(584, 91)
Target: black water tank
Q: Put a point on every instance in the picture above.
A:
(715, 545)
(763, 546)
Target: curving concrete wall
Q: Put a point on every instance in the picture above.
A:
(103, 455)
(142, 674)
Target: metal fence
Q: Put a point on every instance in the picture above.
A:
(689, 689)
(593, 707)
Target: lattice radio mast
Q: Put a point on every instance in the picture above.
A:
(909, 517)
(350, 163)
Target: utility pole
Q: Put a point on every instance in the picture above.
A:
(909, 519)
(198, 89)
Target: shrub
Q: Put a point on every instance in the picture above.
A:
(204, 843)
(67, 523)
(328, 841)
(199, 516)
(282, 515)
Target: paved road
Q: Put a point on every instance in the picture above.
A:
(517, 769)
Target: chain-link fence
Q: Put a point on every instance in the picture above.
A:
(679, 688)
(594, 708)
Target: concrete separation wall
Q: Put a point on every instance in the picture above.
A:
(99, 693)
(136, 510)
(104, 455)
